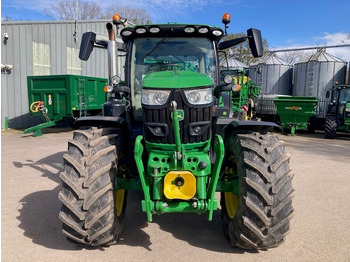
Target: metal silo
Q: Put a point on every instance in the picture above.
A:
(318, 74)
(233, 64)
(272, 75)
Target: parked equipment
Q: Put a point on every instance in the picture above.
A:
(244, 91)
(296, 112)
(338, 112)
(58, 97)
(167, 133)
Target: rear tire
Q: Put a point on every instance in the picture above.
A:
(92, 212)
(330, 127)
(312, 125)
(259, 216)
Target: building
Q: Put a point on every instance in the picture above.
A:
(43, 48)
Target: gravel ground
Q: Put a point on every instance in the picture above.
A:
(31, 230)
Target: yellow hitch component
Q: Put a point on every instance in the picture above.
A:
(179, 185)
(119, 201)
(231, 201)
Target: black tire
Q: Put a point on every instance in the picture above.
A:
(330, 127)
(89, 201)
(312, 125)
(259, 216)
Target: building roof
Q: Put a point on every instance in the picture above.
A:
(270, 58)
(322, 56)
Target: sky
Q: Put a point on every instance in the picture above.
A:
(283, 23)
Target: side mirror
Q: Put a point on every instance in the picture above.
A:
(255, 42)
(87, 45)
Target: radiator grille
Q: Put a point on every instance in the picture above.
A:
(196, 126)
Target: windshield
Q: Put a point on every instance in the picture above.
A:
(150, 55)
(344, 95)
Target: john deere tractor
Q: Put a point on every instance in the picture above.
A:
(168, 131)
(244, 91)
(338, 112)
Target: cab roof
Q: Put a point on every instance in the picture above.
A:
(171, 30)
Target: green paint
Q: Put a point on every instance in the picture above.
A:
(177, 116)
(219, 149)
(295, 111)
(147, 204)
(176, 79)
(6, 123)
(37, 129)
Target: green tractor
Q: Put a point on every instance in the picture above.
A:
(166, 132)
(243, 93)
(338, 111)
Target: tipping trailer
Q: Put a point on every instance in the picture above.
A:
(64, 97)
(296, 112)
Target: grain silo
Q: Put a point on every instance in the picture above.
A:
(316, 75)
(232, 63)
(272, 75)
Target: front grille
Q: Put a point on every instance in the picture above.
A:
(196, 126)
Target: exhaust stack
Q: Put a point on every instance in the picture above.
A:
(112, 50)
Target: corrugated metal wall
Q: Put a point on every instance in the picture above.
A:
(36, 48)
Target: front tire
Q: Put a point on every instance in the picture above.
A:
(258, 217)
(330, 127)
(92, 211)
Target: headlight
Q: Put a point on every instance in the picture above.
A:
(154, 97)
(199, 96)
(347, 109)
(236, 88)
(115, 80)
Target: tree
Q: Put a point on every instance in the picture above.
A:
(74, 10)
(242, 51)
(134, 14)
(293, 57)
(85, 10)
(7, 18)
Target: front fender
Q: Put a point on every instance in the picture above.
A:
(226, 125)
(113, 121)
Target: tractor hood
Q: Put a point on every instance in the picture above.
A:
(176, 79)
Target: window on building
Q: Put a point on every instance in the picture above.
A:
(73, 61)
(41, 59)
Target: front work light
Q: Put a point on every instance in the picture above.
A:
(155, 97)
(199, 96)
(115, 80)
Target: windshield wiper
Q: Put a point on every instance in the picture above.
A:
(157, 45)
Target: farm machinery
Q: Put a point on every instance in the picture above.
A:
(338, 111)
(243, 93)
(170, 132)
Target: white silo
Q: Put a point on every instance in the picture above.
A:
(317, 74)
(233, 63)
(272, 75)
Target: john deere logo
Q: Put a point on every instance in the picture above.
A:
(295, 108)
(91, 98)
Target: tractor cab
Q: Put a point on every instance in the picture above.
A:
(166, 57)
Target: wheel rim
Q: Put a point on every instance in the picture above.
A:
(231, 203)
(119, 201)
